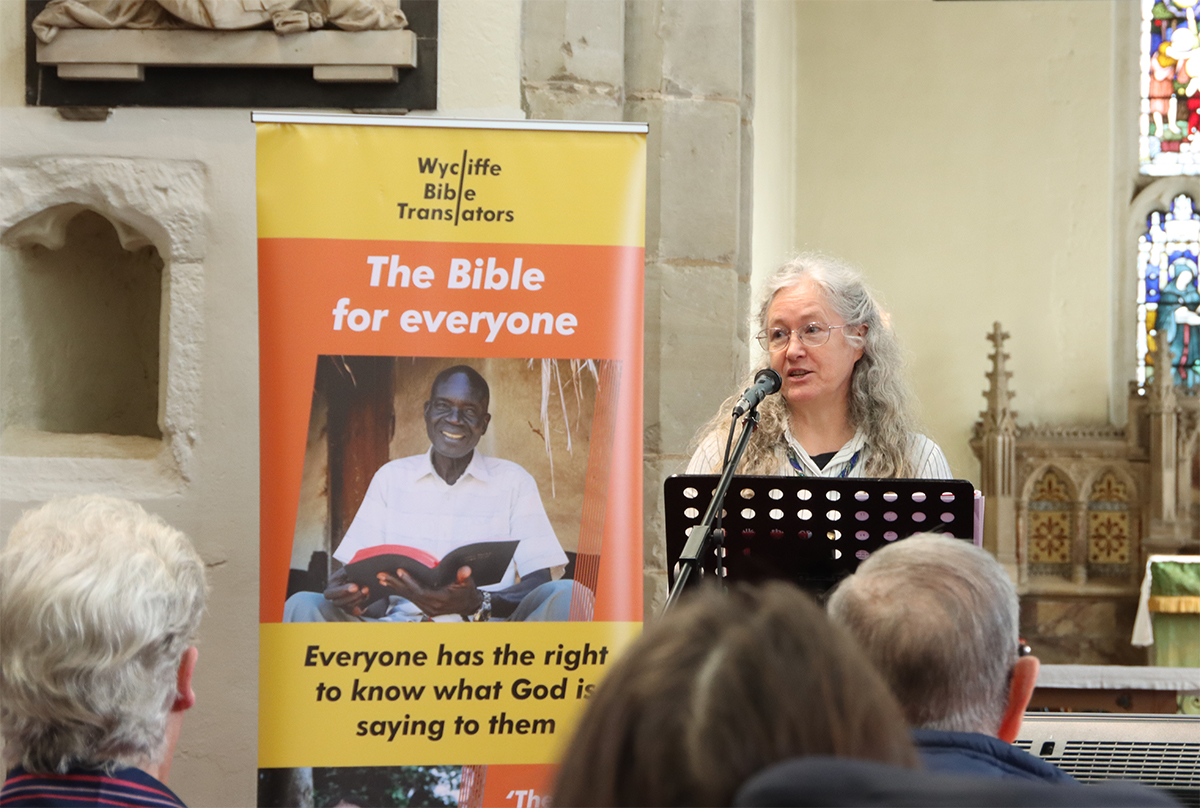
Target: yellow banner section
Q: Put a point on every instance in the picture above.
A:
(453, 185)
(357, 694)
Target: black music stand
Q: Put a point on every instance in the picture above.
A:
(812, 531)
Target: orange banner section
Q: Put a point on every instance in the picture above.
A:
(436, 299)
(518, 786)
(343, 297)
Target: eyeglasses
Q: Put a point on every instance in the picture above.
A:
(813, 335)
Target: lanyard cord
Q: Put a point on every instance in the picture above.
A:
(795, 461)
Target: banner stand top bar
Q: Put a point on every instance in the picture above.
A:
(348, 119)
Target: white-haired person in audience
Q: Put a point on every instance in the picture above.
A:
(938, 617)
(100, 603)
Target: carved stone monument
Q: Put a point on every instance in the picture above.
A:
(102, 40)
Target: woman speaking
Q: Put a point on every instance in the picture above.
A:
(843, 409)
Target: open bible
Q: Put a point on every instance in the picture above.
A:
(487, 559)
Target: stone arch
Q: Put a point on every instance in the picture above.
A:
(1121, 475)
(1071, 487)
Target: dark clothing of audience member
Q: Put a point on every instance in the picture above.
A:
(834, 782)
(982, 755)
(86, 788)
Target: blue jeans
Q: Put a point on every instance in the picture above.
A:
(548, 603)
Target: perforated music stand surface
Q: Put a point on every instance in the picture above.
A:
(812, 531)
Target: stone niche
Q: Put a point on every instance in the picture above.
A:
(80, 330)
(101, 270)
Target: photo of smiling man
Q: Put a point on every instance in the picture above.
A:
(439, 501)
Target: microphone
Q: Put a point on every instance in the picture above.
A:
(766, 382)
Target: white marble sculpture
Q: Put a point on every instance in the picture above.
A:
(285, 16)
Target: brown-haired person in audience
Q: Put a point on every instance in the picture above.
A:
(721, 687)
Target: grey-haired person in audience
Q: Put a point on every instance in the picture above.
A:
(100, 603)
(938, 617)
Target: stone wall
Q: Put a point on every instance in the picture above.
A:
(971, 183)
(1081, 630)
(168, 173)
(686, 67)
(183, 181)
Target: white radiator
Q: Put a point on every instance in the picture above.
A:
(1162, 751)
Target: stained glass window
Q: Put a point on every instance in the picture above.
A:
(1168, 297)
(1170, 82)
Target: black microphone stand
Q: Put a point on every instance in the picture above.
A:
(699, 538)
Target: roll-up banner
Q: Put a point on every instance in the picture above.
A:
(450, 337)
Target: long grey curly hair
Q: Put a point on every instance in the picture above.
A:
(879, 395)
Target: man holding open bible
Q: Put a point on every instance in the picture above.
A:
(445, 535)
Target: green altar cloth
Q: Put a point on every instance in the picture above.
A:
(1169, 611)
